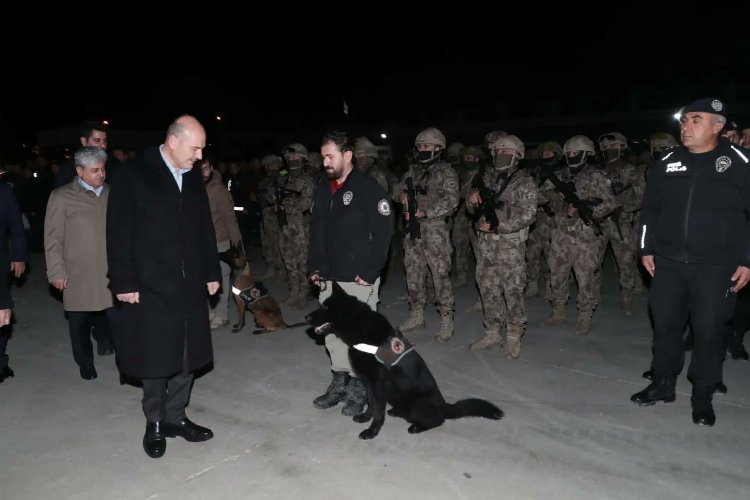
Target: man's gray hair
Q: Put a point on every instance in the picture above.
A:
(720, 119)
(90, 155)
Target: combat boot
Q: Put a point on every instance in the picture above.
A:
(557, 317)
(661, 389)
(627, 303)
(513, 342)
(460, 279)
(490, 339)
(335, 393)
(356, 397)
(446, 327)
(475, 307)
(583, 325)
(415, 320)
(703, 410)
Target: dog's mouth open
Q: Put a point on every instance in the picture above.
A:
(324, 328)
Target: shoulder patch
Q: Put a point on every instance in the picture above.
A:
(384, 208)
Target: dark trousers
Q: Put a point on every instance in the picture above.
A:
(3, 346)
(165, 399)
(80, 324)
(697, 294)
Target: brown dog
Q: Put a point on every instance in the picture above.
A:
(265, 309)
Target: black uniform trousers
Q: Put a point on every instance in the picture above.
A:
(695, 294)
(80, 325)
(165, 399)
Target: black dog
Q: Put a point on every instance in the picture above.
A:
(393, 371)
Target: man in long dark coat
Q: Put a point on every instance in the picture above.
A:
(162, 258)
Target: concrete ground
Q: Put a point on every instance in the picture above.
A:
(570, 430)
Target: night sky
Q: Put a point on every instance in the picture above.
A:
(256, 85)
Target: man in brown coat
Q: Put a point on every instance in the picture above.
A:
(227, 231)
(162, 260)
(76, 253)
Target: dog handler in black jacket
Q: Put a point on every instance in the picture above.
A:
(695, 243)
(350, 234)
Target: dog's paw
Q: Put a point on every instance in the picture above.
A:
(368, 434)
(415, 429)
(362, 418)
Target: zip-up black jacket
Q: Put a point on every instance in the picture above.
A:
(351, 230)
(696, 208)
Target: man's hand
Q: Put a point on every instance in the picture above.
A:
(17, 268)
(4, 317)
(572, 211)
(650, 265)
(60, 284)
(484, 226)
(130, 298)
(360, 281)
(213, 287)
(421, 214)
(474, 198)
(741, 276)
(404, 200)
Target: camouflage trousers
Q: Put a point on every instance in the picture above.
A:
(294, 240)
(270, 240)
(432, 250)
(623, 250)
(501, 276)
(538, 244)
(461, 235)
(581, 251)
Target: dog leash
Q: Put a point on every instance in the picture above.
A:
(372, 288)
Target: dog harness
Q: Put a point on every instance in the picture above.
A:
(251, 294)
(389, 352)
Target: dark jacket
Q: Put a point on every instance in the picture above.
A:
(160, 243)
(13, 246)
(350, 231)
(696, 207)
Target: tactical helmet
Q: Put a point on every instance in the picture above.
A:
(363, 145)
(610, 138)
(578, 143)
(509, 142)
(491, 137)
(430, 135)
(475, 151)
(272, 162)
(550, 146)
(659, 141)
(295, 148)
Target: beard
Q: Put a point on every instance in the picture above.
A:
(333, 174)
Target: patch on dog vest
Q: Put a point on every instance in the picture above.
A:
(389, 352)
(251, 294)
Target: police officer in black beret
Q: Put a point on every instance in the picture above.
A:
(695, 242)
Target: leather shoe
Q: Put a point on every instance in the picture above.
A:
(703, 412)
(6, 372)
(88, 372)
(154, 443)
(187, 430)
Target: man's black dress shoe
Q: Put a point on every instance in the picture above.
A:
(6, 372)
(703, 412)
(154, 442)
(88, 372)
(187, 430)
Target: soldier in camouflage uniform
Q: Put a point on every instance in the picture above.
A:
(501, 249)
(366, 159)
(436, 186)
(628, 187)
(549, 155)
(314, 165)
(576, 244)
(296, 190)
(464, 237)
(270, 230)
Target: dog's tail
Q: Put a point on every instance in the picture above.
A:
(296, 325)
(473, 407)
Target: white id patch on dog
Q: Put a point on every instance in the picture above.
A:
(384, 208)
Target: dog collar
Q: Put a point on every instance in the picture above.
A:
(252, 293)
(389, 352)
